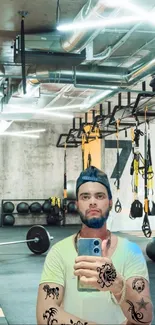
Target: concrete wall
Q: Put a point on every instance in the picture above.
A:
(34, 168)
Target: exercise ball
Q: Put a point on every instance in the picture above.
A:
(8, 207)
(9, 220)
(71, 190)
(71, 207)
(150, 249)
(35, 207)
(23, 208)
(46, 207)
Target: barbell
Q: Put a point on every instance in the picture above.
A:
(37, 239)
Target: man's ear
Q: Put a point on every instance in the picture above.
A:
(110, 205)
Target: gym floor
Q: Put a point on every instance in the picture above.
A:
(20, 272)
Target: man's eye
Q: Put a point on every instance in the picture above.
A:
(100, 196)
(85, 197)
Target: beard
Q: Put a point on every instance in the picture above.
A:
(94, 223)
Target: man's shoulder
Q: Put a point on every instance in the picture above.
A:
(61, 244)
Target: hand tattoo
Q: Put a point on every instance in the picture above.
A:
(107, 275)
(136, 316)
(138, 284)
(51, 291)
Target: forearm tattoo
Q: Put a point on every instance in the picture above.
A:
(107, 275)
(51, 291)
(136, 315)
(138, 284)
(50, 316)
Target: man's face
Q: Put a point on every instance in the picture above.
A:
(93, 204)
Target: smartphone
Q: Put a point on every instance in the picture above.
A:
(88, 247)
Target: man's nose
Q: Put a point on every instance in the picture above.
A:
(93, 201)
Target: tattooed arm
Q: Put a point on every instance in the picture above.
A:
(137, 305)
(49, 307)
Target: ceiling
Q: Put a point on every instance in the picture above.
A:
(73, 72)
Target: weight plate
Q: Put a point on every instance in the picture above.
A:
(44, 239)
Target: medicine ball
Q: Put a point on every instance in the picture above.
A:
(23, 208)
(71, 207)
(8, 207)
(35, 208)
(9, 220)
(46, 207)
(150, 249)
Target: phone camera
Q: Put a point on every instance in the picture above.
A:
(96, 250)
(96, 242)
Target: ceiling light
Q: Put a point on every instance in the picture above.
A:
(103, 23)
(37, 112)
(16, 134)
(64, 107)
(32, 131)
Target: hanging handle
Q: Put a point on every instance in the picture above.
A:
(118, 206)
(146, 226)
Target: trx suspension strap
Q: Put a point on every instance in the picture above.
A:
(118, 207)
(82, 148)
(150, 174)
(65, 182)
(146, 225)
(136, 210)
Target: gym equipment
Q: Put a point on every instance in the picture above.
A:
(65, 181)
(46, 207)
(22, 208)
(118, 206)
(146, 225)
(9, 220)
(35, 208)
(37, 239)
(71, 190)
(8, 207)
(52, 219)
(150, 249)
(71, 207)
(136, 210)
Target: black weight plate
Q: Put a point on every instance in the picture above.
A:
(44, 239)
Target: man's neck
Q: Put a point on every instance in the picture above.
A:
(87, 232)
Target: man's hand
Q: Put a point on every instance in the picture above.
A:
(98, 272)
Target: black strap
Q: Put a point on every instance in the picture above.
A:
(118, 206)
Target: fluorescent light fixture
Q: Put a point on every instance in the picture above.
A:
(16, 134)
(100, 23)
(37, 112)
(29, 132)
(64, 107)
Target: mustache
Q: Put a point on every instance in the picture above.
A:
(95, 209)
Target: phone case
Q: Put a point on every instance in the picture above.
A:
(88, 247)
